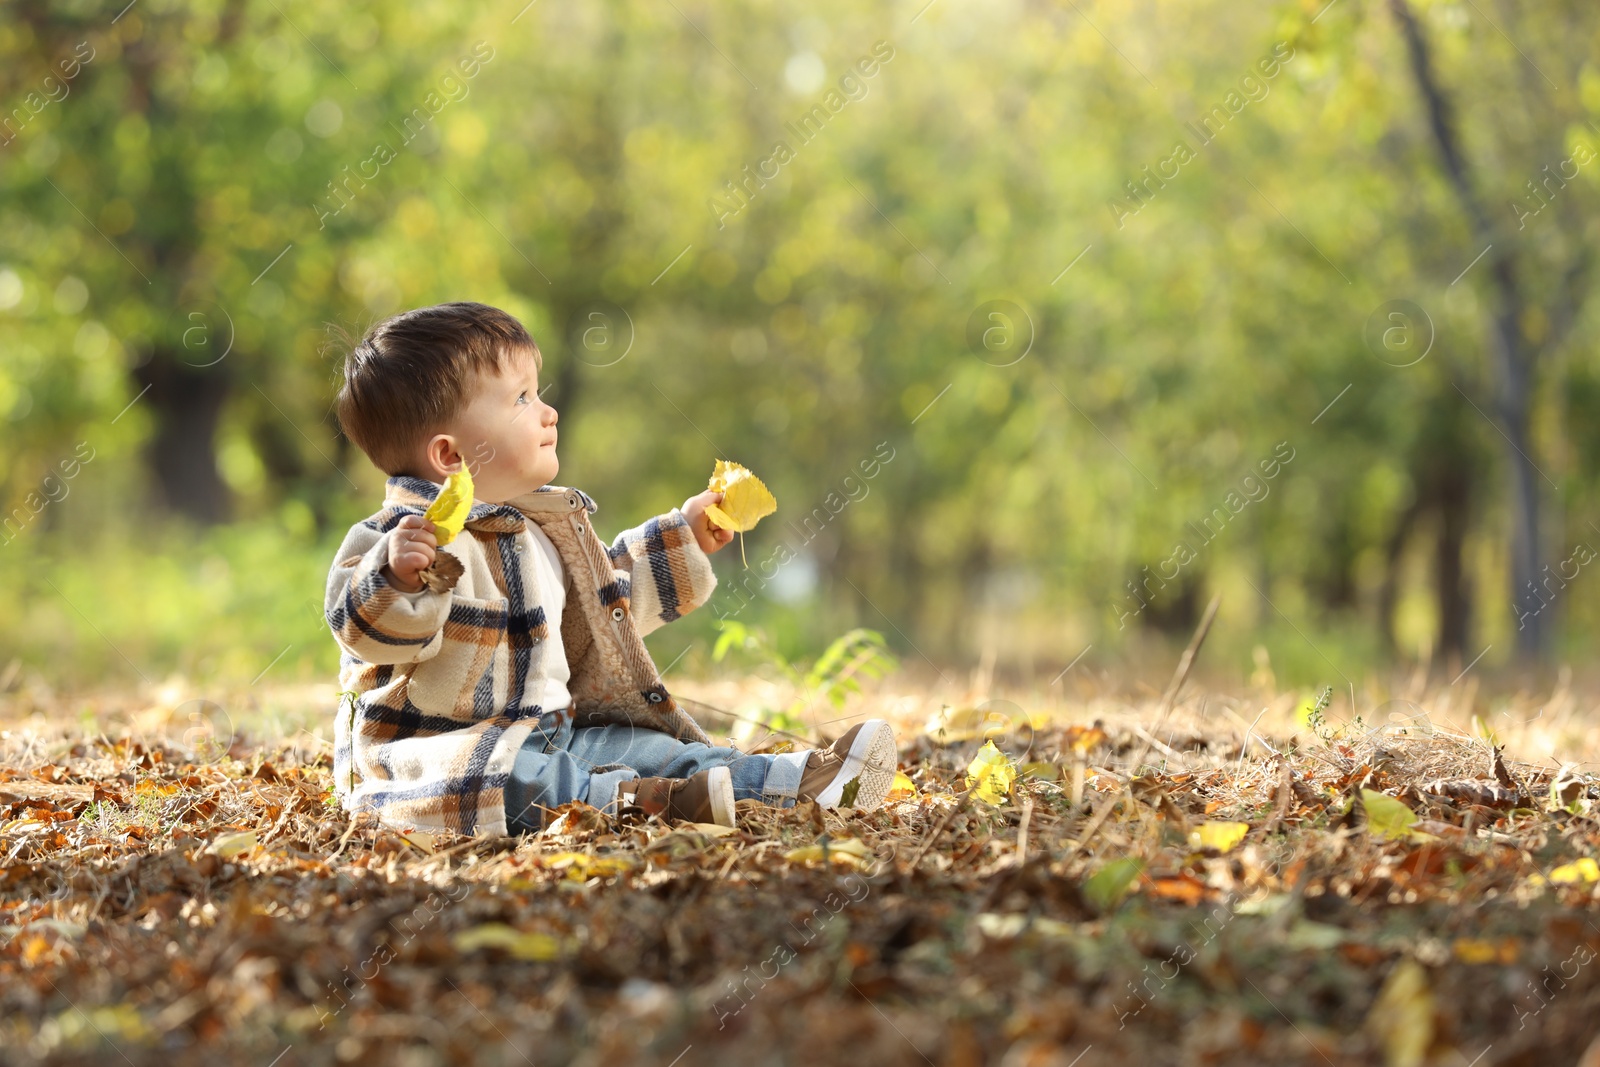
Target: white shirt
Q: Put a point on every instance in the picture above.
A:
(553, 598)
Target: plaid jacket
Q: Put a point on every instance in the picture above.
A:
(441, 681)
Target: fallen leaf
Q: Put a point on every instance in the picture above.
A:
(1221, 836)
(1388, 817)
(516, 943)
(902, 788)
(1582, 870)
(420, 840)
(1181, 889)
(581, 866)
(1083, 738)
(1307, 934)
(1402, 1016)
(991, 774)
(1106, 887)
(1042, 770)
(846, 850)
(1475, 950)
(231, 845)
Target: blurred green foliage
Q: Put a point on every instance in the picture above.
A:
(182, 219)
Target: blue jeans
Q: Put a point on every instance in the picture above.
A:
(558, 764)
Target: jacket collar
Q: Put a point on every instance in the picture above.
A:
(403, 490)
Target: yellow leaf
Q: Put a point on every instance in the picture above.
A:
(419, 839)
(846, 850)
(1221, 836)
(1583, 870)
(448, 512)
(1475, 950)
(1402, 1016)
(230, 845)
(1107, 886)
(990, 775)
(903, 787)
(1042, 770)
(1388, 817)
(520, 945)
(745, 498)
(581, 866)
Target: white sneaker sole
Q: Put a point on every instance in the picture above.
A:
(873, 759)
(719, 782)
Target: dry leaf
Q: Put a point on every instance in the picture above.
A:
(902, 788)
(581, 866)
(846, 850)
(1402, 1016)
(1221, 836)
(1107, 886)
(517, 943)
(443, 573)
(990, 775)
(1388, 817)
(230, 845)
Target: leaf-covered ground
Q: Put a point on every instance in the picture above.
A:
(1254, 894)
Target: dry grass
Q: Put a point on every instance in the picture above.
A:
(138, 925)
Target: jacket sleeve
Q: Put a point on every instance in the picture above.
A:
(371, 619)
(668, 575)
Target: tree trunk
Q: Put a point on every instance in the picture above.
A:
(1451, 587)
(1514, 357)
(188, 403)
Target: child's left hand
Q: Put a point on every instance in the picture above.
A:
(710, 537)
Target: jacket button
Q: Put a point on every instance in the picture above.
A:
(617, 613)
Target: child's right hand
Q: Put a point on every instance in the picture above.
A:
(411, 551)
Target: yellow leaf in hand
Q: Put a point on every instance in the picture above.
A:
(745, 499)
(448, 512)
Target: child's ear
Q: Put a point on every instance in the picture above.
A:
(441, 456)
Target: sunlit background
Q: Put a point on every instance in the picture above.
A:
(1044, 322)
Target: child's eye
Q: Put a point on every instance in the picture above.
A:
(522, 398)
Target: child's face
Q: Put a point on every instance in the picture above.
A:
(507, 434)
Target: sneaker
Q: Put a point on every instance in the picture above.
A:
(704, 797)
(865, 755)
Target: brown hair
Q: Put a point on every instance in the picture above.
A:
(411, 374)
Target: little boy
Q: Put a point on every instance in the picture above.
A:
(527, 685)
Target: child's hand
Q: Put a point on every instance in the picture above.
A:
(411, 551)
(710, 537)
